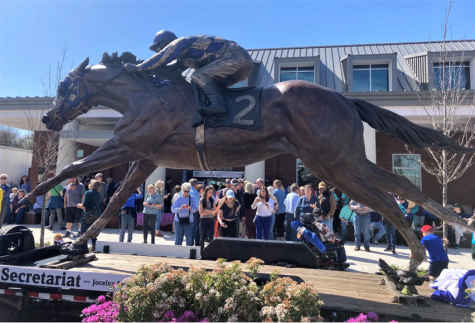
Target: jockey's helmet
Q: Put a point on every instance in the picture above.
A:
(162, 39)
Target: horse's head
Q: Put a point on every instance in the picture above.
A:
(72, 99)
(88, 86)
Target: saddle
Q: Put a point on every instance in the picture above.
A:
(242, 106)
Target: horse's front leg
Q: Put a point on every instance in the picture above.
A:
(111, 154)
(136, 175)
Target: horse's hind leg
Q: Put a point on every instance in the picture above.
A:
(136, 175)
(361, 187)
(401, 186)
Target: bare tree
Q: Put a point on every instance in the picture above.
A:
(51, 148)
(449, 111)
(13, 137)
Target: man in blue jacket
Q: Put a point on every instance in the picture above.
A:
(218, 63)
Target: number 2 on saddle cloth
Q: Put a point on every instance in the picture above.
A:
(242, 105)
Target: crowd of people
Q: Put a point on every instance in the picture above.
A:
(240, 209)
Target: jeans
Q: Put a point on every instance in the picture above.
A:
(340, 252)
(206, 231)
(126, 220)
(52, 214)
(196, 228)
(390, 235)
(149, 220)
(290, 233)
(263, 223)
(458, 234)
(272, 224)
(362, 226)
(84, 227)
(328, 223)
(343, 230)
(381, 231)
(19, 215)
(159, 220)
(183, 230)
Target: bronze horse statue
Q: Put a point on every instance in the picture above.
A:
(297, 117)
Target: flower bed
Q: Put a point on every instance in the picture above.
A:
(161, 293)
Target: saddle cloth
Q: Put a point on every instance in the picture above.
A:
(242, 105)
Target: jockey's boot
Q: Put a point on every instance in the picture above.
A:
(217, 106)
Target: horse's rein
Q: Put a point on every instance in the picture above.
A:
(166, 104)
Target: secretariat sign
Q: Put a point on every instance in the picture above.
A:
(59, 278)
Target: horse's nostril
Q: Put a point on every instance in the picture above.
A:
(44, 119)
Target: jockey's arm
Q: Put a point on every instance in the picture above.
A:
(165, 56)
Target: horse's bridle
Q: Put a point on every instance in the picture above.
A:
(72, 102)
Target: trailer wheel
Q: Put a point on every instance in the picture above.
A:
(10, 246)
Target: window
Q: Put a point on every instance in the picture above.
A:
(303, 174)
(452, 75)
(372, 77)
(79, 154)
(297, 73)
(408, 166)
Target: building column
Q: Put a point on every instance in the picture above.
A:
(369, 135)
(159, 174)
(67, 147)
(255, 171)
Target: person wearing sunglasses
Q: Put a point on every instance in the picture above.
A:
(184, 207)
(5, 201)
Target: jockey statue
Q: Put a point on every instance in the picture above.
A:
(218, 63)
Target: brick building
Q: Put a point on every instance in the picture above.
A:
(394, 76)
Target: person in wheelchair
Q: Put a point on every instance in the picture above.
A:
(321, 241)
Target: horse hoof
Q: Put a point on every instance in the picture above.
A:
(74, 249)
(25, 201)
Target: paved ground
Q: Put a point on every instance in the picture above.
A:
(360, 261)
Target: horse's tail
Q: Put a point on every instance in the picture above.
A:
(409, 133)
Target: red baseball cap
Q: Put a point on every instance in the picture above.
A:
(426, 228)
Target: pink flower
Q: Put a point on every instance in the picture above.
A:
(168, 315)
(393, 321)
(101, 299)
(372, 316)
(352, 320)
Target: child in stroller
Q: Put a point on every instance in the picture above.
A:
(329, 251)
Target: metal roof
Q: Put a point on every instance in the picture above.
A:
(330, 57)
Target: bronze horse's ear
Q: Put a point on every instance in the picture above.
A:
(82, 67)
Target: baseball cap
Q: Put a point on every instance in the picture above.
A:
(426, 228)
(99, 175)
(459, 205)
(230, 193)
(235, 182)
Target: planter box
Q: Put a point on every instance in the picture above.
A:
(31, 217)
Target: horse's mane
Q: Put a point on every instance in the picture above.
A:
(116, 60)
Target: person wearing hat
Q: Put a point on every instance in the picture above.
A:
(435, 247)
(458, 208)
(327, 204)
(218, 63)
(103, 190)
(227, 215)
(228, 185)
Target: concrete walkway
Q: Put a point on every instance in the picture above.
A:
(360, 261)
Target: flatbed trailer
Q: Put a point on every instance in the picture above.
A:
(68, 291)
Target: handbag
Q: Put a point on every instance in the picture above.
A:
(349, 219)
(185, 221)
(91, 216)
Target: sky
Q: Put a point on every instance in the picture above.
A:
(32, 33)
